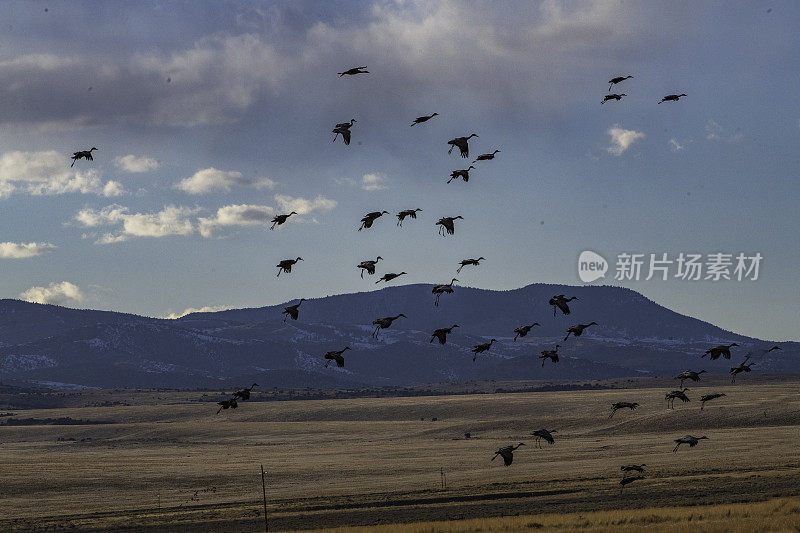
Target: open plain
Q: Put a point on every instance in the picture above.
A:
(165, 461)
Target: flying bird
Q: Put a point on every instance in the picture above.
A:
(384, 323)
(369, 218)
(708, 397)
(577, 329)
(559, 301)
(679, 394)
(444, 288)
(401, 216)
(369, 266)
(471, 262)
(87, 154)
(336, 355)
(292, 310)
(544, 434)
(463, 174)
(633, 468)
(689, 374)
(723, 350)
(744, 366)
(286, 265)
(278, 220)
(480, 348)
(353, 71)
(343, 129)
(507, 453)
(442, 333)
(420, 120)
(523, 330)
(462, 143)
(389, 277)
(227, 404)
(671, 98)
(688, 439)
(486, 157)
(614, 96)
(447, 225)
(618, 79)
(550, 354)
(244, 394)
(622, 405)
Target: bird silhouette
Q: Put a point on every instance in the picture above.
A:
(420, 120)
(292, 310)
(559, 301)
(286, 265)
(227, 404)
(463, 174)
(444, 288)
(462, 143)
(543, 434)
(615, 96)
(618, 79)
(278, 220)
(507, 453)
(353, 71)
(471, 262)
(523, 330)
(486, 157)
(622, 405)
(401, 216)
(447, 225)
(679, 394)
(689, 374)
(369, 266)
(343, 129)
(336, 355)
(550, 354)
(82, 154)
(671, 98)
(369, 218)
(688, 439)
(744, 366)
(480, 348)
(633, 468)
(723, 350)
(708, 397)
(390, 276)
(577, 329)
(627, 481)
(244, 394)
(384, 323)
(442, 333)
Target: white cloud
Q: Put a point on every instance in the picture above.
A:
(55, 293)
(113, 188)
(675, 145)
(236, 215)
(21, 250)
(131, 163)
(373, 182)
(264, 183)
(303, 206)
(716, 132)
(172, 220)
(622, 139)
(204, 309)
(47, 173)
(209, 179)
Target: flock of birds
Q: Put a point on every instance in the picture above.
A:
(447, 227)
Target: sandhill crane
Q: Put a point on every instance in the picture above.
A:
(227, 404)
(346, 125)
(671, 98)
(369, 266)
(480, 348)
(628, 480)
(462, 143)
(244, 394)
(544, 434)
(471, 262)
(577, 329)
(353, 71)
(614, 96)
(523, 330)
(390, 276)
(463, 174)
(708, 397)
(336, 355)
(743, 367)
(633, 468)
(278, 220)
(507, 453)
(286, 265)
(444, 288)
(426, 118)
(618, 79)
(550, 354)
(401, 216)
(766, 351)
(383, 323)
(369, 218)
(723, 350)
(679, 394)
(292, 310)
(688, 439)
(447, 226)
(689, 374)
(486, 157)
(622, 405)
(559, 301)
(442, 333)
(344, 132)
(81, 154)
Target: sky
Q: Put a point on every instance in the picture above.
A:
(210, 118)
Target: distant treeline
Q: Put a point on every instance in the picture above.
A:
(64, 421)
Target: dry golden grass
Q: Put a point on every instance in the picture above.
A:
(368, 461)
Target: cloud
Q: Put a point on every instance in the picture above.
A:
(675, 145)
(236, 215)
(14, 250)
(204, 309)
(622, 139)
(209, 179)
(303, 206)
(131, 163)
(172, 220)
(55, 293)
(373, 182)
(47, 173)
(715, 132)
(264, 183)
